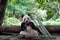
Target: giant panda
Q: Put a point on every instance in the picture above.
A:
(27, 27)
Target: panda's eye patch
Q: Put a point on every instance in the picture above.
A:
(28, 18)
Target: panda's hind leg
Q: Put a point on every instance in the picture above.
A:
(23, 33)
(35, 33)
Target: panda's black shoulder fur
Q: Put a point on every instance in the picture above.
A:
(23, 27)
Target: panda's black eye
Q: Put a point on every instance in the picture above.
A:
(28, 18)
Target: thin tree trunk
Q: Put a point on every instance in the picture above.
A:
(2, 10)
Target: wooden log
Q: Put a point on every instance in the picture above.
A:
(53, 28)
(16, 29)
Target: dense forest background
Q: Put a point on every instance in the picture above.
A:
(47, 11)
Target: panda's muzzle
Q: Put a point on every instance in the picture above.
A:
(26, 21)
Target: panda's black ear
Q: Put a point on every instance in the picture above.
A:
(22, 16)
(28, 14)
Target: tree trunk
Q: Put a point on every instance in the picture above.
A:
(2, 10)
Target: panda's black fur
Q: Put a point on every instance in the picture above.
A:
(31, 24)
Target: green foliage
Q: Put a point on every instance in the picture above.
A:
(19, 7)
(52, 22)
(15, 7)
(51, 9)
(50, 5)
(11, 21)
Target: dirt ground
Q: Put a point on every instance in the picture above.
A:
(5, 37)
(57, 36)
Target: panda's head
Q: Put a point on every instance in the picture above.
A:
(26, 18)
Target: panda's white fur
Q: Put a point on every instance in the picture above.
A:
(28, 31)
(25, 18)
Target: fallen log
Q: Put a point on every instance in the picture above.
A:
(53, 28)
(16, 29)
